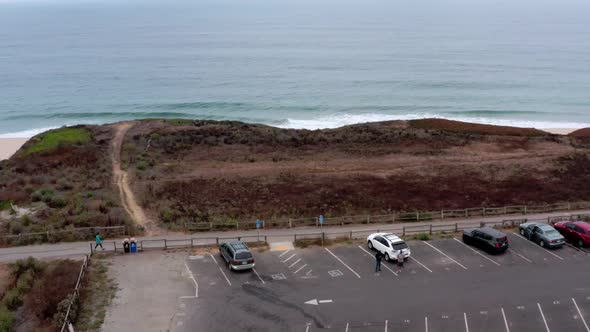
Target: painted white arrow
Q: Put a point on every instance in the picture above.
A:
(316, 302)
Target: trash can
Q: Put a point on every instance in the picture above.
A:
(126, 246)
(133, 246)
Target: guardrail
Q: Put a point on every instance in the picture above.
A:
(415, 216)
(76, 293)
(80, 233)
(403, 230)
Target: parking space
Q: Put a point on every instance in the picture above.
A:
(434, 258)
(336, 288)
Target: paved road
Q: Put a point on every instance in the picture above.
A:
(80, 248)
(445, 286)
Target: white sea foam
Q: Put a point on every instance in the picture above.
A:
(26, 133)
(339, 120)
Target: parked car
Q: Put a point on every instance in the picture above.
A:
(486, 238)
(543, 234)
(237, 255)
(389, 245)
(577, 232)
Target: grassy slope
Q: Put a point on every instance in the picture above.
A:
(64, 175)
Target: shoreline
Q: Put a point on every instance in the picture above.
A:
(10, 145)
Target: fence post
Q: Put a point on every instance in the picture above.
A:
(505, 210)
(210, 226)
(191, 242)
(217, 241)
(430, 231)
(115, 245)
(403, 230)
(483, 211)
(368, 219)
(569, 205)
(442, 214)
(393, 218)
(456, 227)
(351, 235)
(290, 224)
(466, 213)
(91, 249)
(165, 244)
(525, 209)
(323, 234)
(418, 216)
(237, 224)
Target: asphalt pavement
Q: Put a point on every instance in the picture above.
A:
(444, 286)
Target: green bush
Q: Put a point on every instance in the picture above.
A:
(6, 319)
(423, 237)
(62, 308)
(12, 299)
(25, 282)
(56, 202)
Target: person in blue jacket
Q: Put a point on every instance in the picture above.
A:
(98, 241)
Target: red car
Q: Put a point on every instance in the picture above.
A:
(577, 232)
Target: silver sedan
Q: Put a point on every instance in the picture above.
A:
(543, 234)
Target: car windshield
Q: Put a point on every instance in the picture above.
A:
(243, 255)
(400, 246)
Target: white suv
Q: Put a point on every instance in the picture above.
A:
(389, 245)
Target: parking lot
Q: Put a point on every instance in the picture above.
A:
(444, 286)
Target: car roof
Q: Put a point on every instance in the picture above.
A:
(582, 224)
(391, 237)
(238, 246)
(492, 231)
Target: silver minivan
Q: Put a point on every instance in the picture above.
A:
(237, 255)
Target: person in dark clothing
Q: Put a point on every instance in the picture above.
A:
(378, 258)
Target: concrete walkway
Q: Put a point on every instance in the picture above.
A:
(68, 249)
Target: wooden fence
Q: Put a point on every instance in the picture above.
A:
(73, 234)
(76, 293)
(389, 218)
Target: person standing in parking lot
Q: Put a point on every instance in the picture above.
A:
(400, 261)
(378, 258)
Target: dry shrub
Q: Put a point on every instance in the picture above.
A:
(54, 286)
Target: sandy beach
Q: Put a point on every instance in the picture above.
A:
(8, 146)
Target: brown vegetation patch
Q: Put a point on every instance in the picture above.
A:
(474, 128)
(585, 132)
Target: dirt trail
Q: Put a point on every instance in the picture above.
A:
(122, 180)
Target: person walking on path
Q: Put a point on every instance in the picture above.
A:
(98, 242)
(378, 258)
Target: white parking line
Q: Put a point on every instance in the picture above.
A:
(424, 266)
(191, 276)
(286, 260)
(505, 320)
(226, 278)
(466, 325)
(284, 252)
(581, 316)
(426, 323)
(297, 261)
(351, 270)
(384, 265)
(258, 275)
(299, 269)
(477, 252)
(543, 316)
(442, 253)
(346, 329)
(536, 245)
(576, 248)
(521, 256)
(386, 323)
(307, 328)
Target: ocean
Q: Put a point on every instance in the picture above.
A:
(294, 63)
